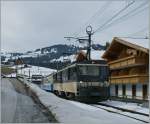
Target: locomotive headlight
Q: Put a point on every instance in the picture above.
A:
(106, 83)
(81, 82)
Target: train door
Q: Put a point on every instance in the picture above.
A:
(116, 90)
(133, 91)
(123, 90)
(144, 91)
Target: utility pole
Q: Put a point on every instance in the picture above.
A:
(29, 74)
(38, 62)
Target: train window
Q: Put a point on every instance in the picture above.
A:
(55, 77)
(73, 75)
(89, 70)
(65, 75)
(103, 72)
(68, 73)
(59, 76)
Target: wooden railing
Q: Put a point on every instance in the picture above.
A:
(126, 62)
(129, 79)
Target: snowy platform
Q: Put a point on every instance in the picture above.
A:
(67, 111)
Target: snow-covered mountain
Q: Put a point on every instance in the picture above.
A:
(49, 56)
(58, 50)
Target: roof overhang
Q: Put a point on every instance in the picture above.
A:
(125, 43)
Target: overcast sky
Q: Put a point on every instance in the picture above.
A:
(34, 24)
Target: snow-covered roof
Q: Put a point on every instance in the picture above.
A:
(97, 55)
(140, 42)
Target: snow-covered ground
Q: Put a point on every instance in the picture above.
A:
(63, 58)
(130, 106)
(74, 112)
(32, 70)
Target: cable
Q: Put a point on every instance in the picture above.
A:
(136, 37)
(129, 14)
(142, 30)
(114, 16)
(99, 12)
(131, 35)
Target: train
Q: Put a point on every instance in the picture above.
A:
(83, 81)
(37, 79)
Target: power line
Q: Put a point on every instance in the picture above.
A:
(99, 12)
(137, 33)
(132, 34)
(114, 16)
(135, 37)
(126, 16)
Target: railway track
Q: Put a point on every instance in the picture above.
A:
(122, 112)
(122, 109)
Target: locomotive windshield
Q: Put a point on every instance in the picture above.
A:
(89, 70)
(92, 73)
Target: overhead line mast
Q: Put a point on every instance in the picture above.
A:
(82, 39)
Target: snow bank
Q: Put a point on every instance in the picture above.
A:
(74, 112)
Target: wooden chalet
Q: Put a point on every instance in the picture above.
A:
(128, 61)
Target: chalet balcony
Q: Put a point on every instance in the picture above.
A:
(127, 61)
(129, 79)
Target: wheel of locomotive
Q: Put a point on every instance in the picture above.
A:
(59, 93)
(63, 94)
(70, 95)
(56, 93)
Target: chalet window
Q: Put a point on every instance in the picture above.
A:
(116, 90)
(145, 91)
(123, 90)
(133, 91)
